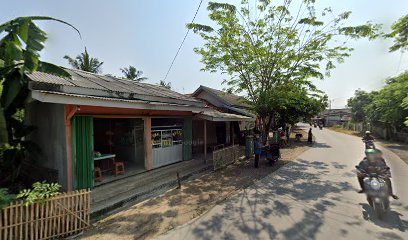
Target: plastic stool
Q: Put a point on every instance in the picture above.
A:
(118, 168)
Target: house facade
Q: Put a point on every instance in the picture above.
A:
(91, 122)
(224, 126)
(332, 117)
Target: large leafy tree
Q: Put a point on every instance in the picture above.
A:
(405, 106)
(85, 62)
(131, 73)
(288, 103)
(387, 105)
(19, 55)
(357, 103)
(268, 46)
(400, 34)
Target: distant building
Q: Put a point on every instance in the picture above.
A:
(332, 117)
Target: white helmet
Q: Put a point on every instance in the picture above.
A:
(367, 132)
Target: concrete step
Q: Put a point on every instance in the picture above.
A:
(105, 200)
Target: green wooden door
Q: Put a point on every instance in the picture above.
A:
(187, 139)
(82, 152)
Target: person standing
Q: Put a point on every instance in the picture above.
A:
(310, 136)
(287, 131)
(257, 150)
(283, 138)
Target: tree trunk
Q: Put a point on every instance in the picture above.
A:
(267, 127)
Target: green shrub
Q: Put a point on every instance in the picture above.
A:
(39, 192)
(5, 198)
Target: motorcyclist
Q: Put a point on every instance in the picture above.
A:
(374, 162)
(368, 137)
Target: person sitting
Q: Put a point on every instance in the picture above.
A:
(368, 137)
(374, 162)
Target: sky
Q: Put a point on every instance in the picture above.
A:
(147, 34)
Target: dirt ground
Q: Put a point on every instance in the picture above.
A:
(346, 131)
(401, 149)
(178, 206)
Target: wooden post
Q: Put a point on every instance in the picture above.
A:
(227, 133)
(148, 146)
(69, 114)
(178, 180)
(205, 141)
(232, 130)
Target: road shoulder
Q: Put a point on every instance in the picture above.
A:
(400, 149)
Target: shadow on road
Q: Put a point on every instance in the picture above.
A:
(397, 147)
(299, 185)
(249, 216)
(391, 221)
(320, 145)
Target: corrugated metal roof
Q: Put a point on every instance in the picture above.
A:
(48, 78)
(231, 102)
(229, 98)
(107, 99)
(90, 84)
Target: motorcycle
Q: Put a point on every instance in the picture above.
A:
(376, 190)
(272, 153)
(320, 127)
(369, 144)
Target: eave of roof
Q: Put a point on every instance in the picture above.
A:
(216, 116)
(76, 99)
(242, 111)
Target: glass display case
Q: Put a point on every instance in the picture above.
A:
(167, 141)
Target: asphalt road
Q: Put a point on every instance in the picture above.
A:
(313, 198)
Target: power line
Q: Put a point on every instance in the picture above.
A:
(184, 39)
(399, 64)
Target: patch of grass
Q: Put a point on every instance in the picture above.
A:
(346, 131)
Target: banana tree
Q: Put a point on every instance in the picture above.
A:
(19, 55)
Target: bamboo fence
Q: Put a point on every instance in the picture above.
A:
(226, 156)
(58, 217)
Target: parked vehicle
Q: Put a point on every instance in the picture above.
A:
(376, 189)
(369, 144)
(272, 153)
